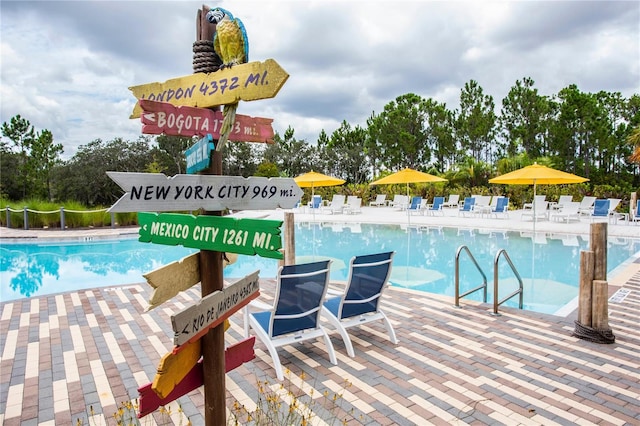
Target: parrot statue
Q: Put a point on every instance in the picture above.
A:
(232, 46)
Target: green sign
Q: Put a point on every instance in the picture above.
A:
(225, 234)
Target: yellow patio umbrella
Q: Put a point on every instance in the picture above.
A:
(537, 174)
(313, 179)
(407, 176)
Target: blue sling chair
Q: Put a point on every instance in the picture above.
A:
(295, 315)
(360, 302)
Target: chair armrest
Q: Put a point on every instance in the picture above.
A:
(258, 304)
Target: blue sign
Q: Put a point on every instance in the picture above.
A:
(198, 155)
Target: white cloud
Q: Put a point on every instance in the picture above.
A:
(67, 66)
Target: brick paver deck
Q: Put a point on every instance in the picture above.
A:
(80, 355)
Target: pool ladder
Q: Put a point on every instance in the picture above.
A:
(483, 286)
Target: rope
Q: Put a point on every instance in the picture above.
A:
(205, 58)
(593, 334)
(53, 211)
(86, 211)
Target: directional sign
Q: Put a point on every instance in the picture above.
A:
(174, 277)
(174, 367)
(247, 82)
(234, 356)
(162, 117)
(198, 155)
(195, 321)
(225, 234)
(157, 192)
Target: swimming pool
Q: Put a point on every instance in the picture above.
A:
(424, 260)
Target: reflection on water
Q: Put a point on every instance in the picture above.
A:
(425, 259)
(34, 269)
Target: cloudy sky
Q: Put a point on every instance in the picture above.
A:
(66, 66)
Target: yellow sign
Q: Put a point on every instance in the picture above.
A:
(246, 82)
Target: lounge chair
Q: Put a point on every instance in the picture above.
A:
(586, 206)
(613, 205)
(315, 204)
(335, 206)
(600, 209)
(359, 303)
(467, 206)
(501, 207)
(529, 206)
(539, 211)
(452, 201)
(414, 207)
(568, 212)
(353, 205)
(434, 208)
(482, 205)
(563, 200)
(634, 215)
(399, 201)
(295, 315)
(381, 200)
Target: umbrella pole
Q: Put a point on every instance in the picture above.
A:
(313, 210)
(408, 211)
(534, 213)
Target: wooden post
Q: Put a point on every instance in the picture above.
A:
(598, 244)
(289, 239)
(632, 205)
(211, 280)
(584, 294)
(600, 316)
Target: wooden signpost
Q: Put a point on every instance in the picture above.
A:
(157, 192)
(162, 117)
(194, 321)
(215, 233)
(210, 232)
(247, 82)
(172, 278)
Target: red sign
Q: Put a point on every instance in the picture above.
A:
(234, 356)
(163, 117)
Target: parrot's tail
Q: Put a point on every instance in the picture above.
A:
(229, 112)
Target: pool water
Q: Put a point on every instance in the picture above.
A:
(424, 260)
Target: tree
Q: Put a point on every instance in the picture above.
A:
(21, 133)
(239, 159)
(475, 122)
(45, 155)
(84, 177)
(522, 119)
(576, 131)
(293, 157)
(344, 154)
(634, 140)
(171, 156)
(267, 169)
(440, 134)
(400, 133)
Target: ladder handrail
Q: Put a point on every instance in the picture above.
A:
(519, 291)
(458, 296)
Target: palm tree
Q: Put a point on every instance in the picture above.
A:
(634, 139)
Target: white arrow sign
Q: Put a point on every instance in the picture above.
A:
(193, 322)
(155, 192)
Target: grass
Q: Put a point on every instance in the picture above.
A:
(48, 215)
